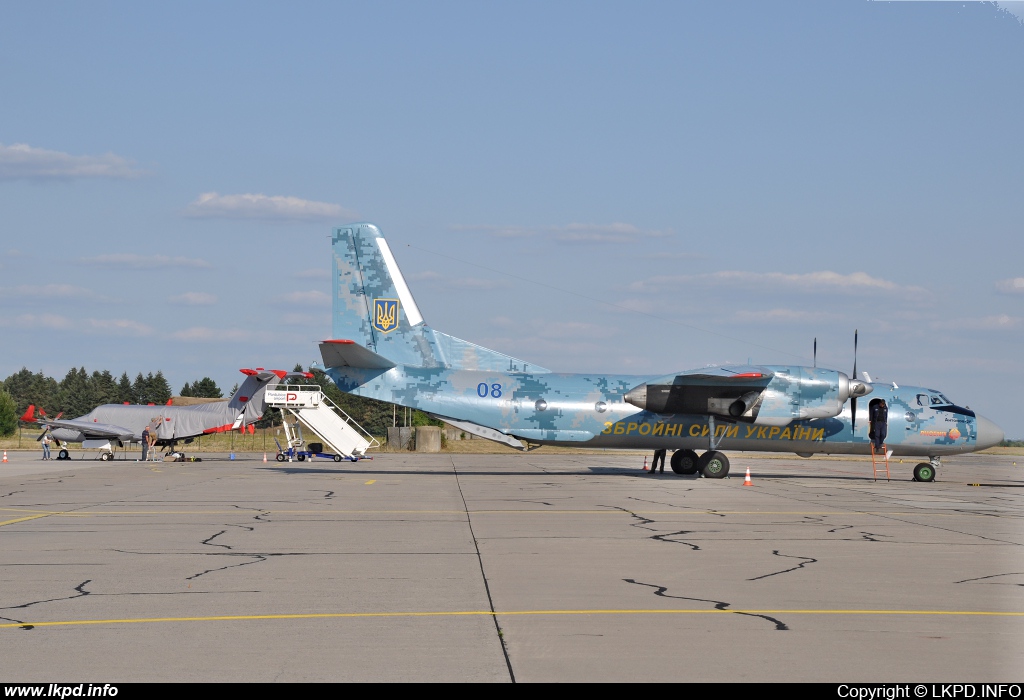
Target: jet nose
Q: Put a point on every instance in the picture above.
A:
(989, 434)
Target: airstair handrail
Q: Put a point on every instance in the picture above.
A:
(321, 399)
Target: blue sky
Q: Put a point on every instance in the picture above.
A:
(621, 187)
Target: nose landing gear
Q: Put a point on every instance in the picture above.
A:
(925, 471)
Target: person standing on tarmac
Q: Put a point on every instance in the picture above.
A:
(46, 444)
(658, 455)
(145, 443)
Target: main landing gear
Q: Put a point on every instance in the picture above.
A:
(712, 464)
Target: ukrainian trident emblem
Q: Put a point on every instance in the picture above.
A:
(385, 315)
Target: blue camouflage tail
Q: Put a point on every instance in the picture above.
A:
(374, 307)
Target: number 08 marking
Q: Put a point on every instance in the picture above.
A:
(482, 390)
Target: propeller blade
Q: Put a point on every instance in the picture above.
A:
(854, 354)
(853, 401)
(815, 352)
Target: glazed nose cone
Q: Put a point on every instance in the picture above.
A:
(989, 434)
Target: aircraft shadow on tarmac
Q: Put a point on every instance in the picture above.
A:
(599, 471)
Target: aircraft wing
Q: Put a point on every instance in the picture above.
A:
(93, 430)
(729, 390)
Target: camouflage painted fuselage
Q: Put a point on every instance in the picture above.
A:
(383, 349)
(589, 409)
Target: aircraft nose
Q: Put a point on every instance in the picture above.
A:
(989, 434)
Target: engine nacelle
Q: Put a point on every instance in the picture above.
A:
(802, 393)
(763, 395)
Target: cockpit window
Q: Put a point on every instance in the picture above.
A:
(923, 400)
(940, 400)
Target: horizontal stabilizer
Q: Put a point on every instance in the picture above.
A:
(348, 353)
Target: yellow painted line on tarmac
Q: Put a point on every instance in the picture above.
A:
(471, 613)
(30, 517)
(538, 511)
(371, 481)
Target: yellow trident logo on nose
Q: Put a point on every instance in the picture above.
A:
(385, 315)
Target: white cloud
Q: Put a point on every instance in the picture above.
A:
(204, 334)
(437, 279)
(52, 291)
(855, 282)
(193, 299)
(54, 322)
(121, 326)
(32, 321)
(1014, 285)
(143, 262)
(306, 320)
(312, 297)
(665, 255)
(1001, 322)
(602, 233)
(616, 232)
(261, 206)
(1014, 7)
(21, 161)
(774, 316)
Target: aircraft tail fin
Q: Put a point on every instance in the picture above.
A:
(30, 414)
(374, 308)
(248, 400)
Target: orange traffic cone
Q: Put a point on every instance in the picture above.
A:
(5, 457)
(746, 481)
(645, 460)
(264, 457)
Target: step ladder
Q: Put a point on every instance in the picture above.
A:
(877, 460)
(308, 404)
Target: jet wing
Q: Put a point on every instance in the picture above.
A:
(729, 390)
(94, 430)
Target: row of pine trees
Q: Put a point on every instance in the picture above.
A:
(79, 392)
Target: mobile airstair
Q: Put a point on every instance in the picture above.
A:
(309, 405)
(880, 460)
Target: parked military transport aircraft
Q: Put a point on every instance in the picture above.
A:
(382, 348)
(114, 425)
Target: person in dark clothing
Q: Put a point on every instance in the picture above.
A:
(145, 443)
(878, 416)
(658, 455)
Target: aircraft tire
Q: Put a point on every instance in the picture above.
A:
(106, 456)
(684, 462)
(337, 458)
(63, 454)
(280, 457)
(924, 472)
(714, 465)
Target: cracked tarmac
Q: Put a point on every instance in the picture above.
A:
(534, 567)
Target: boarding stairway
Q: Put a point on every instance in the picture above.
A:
(318, 413)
